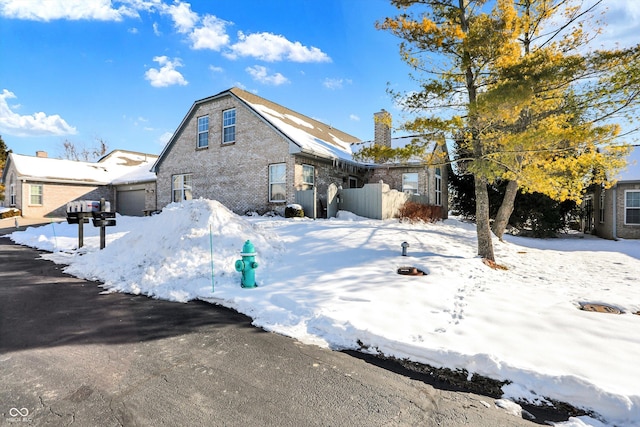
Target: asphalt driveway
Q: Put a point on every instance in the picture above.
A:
(71, 354)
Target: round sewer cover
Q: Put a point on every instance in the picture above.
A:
(600, 308)
(411, 271)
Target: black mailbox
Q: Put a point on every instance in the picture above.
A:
(76, 217)
(104, 219)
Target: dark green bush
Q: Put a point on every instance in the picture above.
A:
(293, 211)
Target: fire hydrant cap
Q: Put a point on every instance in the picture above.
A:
(248, 249)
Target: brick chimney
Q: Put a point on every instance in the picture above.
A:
(41, 154)
(382, 129)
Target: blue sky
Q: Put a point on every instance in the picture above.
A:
(128, 71)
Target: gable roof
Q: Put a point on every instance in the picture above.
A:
(111, 167)
(308, 135)
(632, 171)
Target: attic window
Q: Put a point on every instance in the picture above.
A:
(203, 132)
(229, 126)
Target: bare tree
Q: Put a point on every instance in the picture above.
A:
(82, 153)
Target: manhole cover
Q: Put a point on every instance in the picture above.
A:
(600, 308)
(411, 271)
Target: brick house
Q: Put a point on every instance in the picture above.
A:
(41, 186)
(614, 213)
(252, 154)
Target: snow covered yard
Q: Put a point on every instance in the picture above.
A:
(334, 283)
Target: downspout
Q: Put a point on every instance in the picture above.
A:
(614, 228)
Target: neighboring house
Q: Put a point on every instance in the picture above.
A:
(41, 186)
(252, 154)
(614, 213)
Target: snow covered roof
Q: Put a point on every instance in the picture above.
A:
(632, 171)
(311, 136)
(306, 134)
(111, 169)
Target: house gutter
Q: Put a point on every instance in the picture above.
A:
(25, 178)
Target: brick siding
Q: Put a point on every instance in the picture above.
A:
(237, 174)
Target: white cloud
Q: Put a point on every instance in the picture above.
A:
(271, 47)
(211, 35)
(133, 30)
(164, 138)
(156, 30)
(354, 117)
(167, 75)
(215, 69)
(334, 84)
(184, 19)
(37, 124)
(47, 10)
(261, 74)
(622, 24)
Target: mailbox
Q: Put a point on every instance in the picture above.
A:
(76, 217)
(80, 211)
(104, 219)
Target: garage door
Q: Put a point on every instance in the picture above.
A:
(130, 202)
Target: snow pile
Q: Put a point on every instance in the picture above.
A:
(173, 252)
(334, 283)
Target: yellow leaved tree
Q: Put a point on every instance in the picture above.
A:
(515, 84)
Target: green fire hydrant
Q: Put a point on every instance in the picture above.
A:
(247, 265)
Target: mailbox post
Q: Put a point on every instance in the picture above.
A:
(103, 218)
(80, 211)
(75, 215)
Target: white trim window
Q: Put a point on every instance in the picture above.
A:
(182, 187)
(438, 190)
(203, 132)
(308, 177)
(278, 182)
(35, 194)
(410, 183)
(601, 207)
(229, 126)
(12, 191)
(632, 207)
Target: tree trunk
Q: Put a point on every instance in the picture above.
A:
(506, 209)
(485, 243)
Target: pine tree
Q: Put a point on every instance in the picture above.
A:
(4, 153)
(531, 110)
